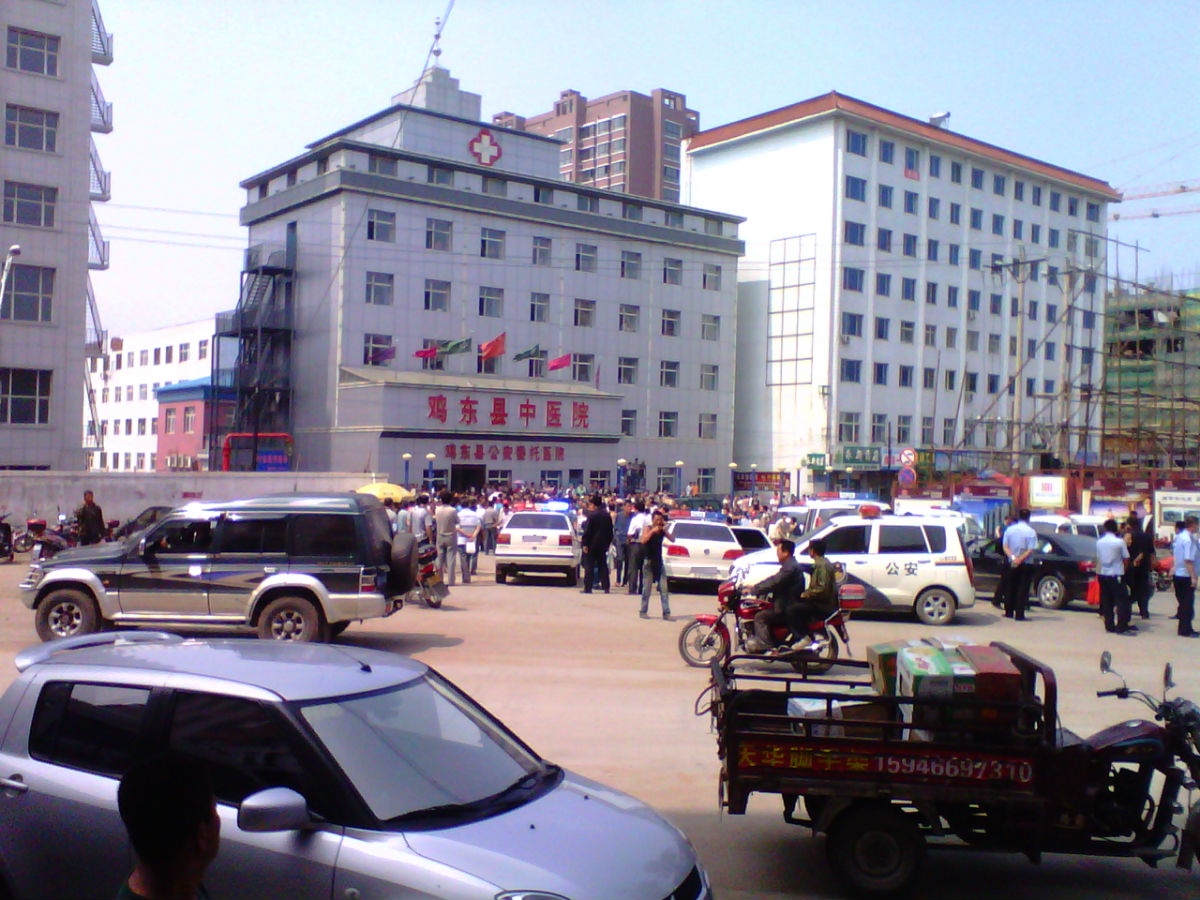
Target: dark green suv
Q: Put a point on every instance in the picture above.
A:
(297, 567)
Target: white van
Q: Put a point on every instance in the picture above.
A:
(815, 513)
(1076, 523)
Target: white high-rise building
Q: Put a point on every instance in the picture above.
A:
(49, 236)
(905, 286)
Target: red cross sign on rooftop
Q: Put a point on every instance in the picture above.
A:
(485, 148)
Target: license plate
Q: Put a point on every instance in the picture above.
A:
(532, 538)
(434, 578)
(704, 570)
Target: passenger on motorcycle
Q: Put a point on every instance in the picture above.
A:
(821, 599)
(786, 587)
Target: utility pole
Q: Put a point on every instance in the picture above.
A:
(1020, 273)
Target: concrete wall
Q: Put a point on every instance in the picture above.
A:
(122, 495)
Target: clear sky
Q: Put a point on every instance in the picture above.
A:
(209, 92)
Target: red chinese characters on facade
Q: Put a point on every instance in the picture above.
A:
(499, 411)
(554, 414)
(468, 411)
(437, 408)
(579, 415)
(528, 412)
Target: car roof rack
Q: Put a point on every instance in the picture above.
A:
(33, 656)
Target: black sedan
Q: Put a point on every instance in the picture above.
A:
(1065, 563)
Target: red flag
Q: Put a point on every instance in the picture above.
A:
(559, 362)
(427, 353)
(493, 348)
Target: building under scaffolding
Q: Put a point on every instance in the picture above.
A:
(1151, 392)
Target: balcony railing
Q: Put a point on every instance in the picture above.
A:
(97, 245)
(95, 337)
(102, 41)
(102, 112)
(100, 186)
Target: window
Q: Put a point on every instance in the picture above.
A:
(912, 162)
(1055, 237)
(1032, 310)
(29, 295)
(710, 327)
(852, 324)
(93, 727)
(1055, 201)
(202, 349)
(438, 233)
(974, 259)
(882, 327)
(628, 422)
(32, 51)
(627, 318)
(440, 175)
(673, 218)
(1093, 212)
(908, 289)
(711, 279)
(952, 254)
(999, 182)
(883, 284)
(537, 365)
(906, 376)
(1051, 312)
(887, 152)
(585, 313)
(627, 367)
(377, 165)
(672, 271)
(1072, 206)
(141, 426)
(856, 188)
(1050, 350)
(848, 426)
(588, 204)
(974, 300)
(631, 211)
(955, 213)
(885, 195)
(709, 376)
(24, 396)
(948, 432)
(29, 204)
(993, 384)
(157, 358)
(491, 302)
(189, 420)
(184, 352)
(30, 129)
(977, 179)
(850, 370)
(856, 142)
(930, 335)
(935, 207)
(997, 224)
(852, 278)
(903, 429)
(497, 187)
(956, 172)
(541, 251)
(169, 421)
(995, 304)
(539, 307)
(1036, 196)
(883, 239)
(911, 202)
(951, 336)
(583, 367)
(437, 295)
(670, 322)
(908, 332)
(929, 378)
(380, 287)
(931, 250)
(926, 430)
(381, 226)
(491, 243)
(935, 166)
(707, 430)
(880, 374)
(1030, 387)
(377, 351)
(910, 245)
(668, 373)
(585, 257)
(631, 264)
(543, 195)
(976, 219)
(879, 428)
(931, 293)
(972, 341)
(668, 424)
(854, 233)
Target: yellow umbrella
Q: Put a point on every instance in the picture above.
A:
(385, 491)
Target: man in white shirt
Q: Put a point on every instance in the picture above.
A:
(1185, 552)
(639, 520)
(469, 526)
(1020, 542)
(1112, 558)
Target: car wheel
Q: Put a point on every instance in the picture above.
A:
(935, 606)
(404, 562)
(291, 619)
(1051, 592)
(501, 575)
(66, 613)
(875, 848)
(572, 576)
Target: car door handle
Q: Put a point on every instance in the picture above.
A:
(14, 783)
(270, 570)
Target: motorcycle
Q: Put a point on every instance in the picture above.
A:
(1163, 569)
(429, 580)
(50, 541)
(709, 636)
(6, 537)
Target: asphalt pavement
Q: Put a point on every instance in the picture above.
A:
(591, 686)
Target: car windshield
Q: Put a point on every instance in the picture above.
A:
(539, 521)
(422, 750)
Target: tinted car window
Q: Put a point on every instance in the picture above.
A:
(252, 536)
(539, 521)
(695, 531)
(244, 747)
(936, 537)
(94, 727)
(183, 536)
(320, 534)
(751, 538)
(851, 539)
(901, 539)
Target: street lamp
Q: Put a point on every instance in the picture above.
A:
(621, 464)
(679, 478)
(13, 252)
(406, 457)
(429, 458)
(732, 480)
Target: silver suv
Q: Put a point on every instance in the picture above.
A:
(296, 567)
(339, 772)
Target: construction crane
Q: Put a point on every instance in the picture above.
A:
(1147, 192)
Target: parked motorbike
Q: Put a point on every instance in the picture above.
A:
(50, 541)
(709, 635)
(1122, 762)
(1163, 569)
(429, 580)
(6, 537)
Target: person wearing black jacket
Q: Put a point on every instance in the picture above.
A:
(597, 537)
(1139, 575)
(785, 586)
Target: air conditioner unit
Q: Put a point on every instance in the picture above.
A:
(970, 396)
(845, 338)
(971, 314)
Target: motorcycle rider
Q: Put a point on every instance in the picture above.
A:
(820, 600)
(786, 587)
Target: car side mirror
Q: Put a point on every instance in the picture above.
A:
(273, 809)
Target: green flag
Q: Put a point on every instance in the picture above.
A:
(528, 354)
(449, 347)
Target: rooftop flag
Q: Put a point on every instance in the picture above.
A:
(493, 348)
(559, 362)
(532, 353)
